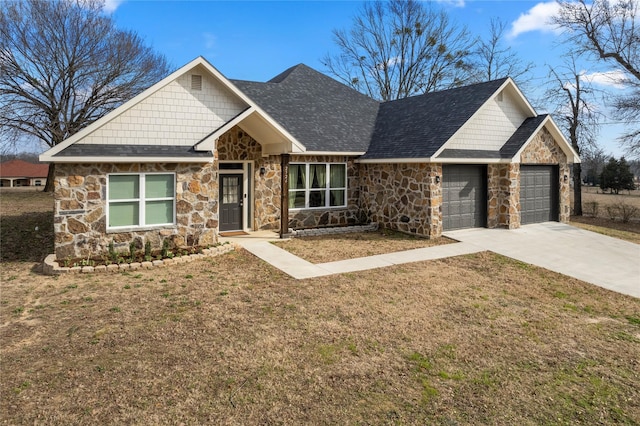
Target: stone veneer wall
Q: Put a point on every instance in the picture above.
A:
(80, 208)
(330, 216)
(403, 197)
(543, 149)
(237, 145)
(503, 193)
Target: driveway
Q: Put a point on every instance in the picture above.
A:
(597, 259)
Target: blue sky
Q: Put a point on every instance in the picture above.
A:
(256, 40)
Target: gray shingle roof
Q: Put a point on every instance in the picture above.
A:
(521, 135)
(103, 150)
(418, 126)
(321, 113)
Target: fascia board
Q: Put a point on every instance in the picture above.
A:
(395, 160)
(208, 143)
(572, 156)
(127, 160)
(334, 153)
(472, 160)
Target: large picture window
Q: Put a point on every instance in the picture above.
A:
(141, 200)
(317, 185)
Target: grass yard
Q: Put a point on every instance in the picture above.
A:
(478, 339)
(330, 248)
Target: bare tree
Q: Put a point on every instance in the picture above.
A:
(609, 32)
(576, 113)
(593, 160)
(495, 59)
(401, 48)
(64, 64)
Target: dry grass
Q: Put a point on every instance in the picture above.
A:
(468, 340)
(629, 231)
(331, 248)
(478, 339)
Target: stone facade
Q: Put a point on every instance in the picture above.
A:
(330, 216)
(543, 149)
(403, 197)
(80, 222)
(399, 196)
(503, 193)
(237, 145)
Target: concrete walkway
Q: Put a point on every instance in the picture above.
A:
(259, 244)
(595, 258)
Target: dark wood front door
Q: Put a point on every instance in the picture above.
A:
(230, 202)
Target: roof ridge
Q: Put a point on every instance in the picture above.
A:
(451, 89)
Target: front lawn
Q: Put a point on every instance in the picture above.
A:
(477, 339)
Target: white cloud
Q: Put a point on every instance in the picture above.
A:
(455, 3)
(209, 40)
(538, 18)
(110, 6)
(614, 78)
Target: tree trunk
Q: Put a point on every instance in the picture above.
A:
(577, 190)
(48, 187)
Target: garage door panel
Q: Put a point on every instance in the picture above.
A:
(463, 196)
(538, 194)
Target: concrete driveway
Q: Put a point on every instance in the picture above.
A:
(597, 259)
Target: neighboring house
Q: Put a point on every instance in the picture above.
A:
(21, 173)
(198, 154)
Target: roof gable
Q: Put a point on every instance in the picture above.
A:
(417, 127)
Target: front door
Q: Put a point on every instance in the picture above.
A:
(230, 202)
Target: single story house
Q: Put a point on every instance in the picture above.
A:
(198, 154)
(21, 173)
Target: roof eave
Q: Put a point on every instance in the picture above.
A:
(106, 159)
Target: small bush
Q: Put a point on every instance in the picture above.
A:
(612, 211)
(591, 208)
(627, 211)
(147, 251)
(622, 210)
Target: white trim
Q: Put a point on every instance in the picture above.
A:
(327, 189)
(397, 160)
(472, 160)
(131, 160)
(331, 153)
(141, 200)
(208, 143)
(248, 189)
(565, 146)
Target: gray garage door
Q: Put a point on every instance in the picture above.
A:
(538, 194)
(464, 196)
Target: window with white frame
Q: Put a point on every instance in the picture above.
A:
(317, 185)
(140, 200)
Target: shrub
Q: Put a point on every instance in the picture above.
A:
(592, 208)
(147, 251)
(622, 210)
(627, 211)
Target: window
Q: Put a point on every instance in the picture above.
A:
(139, 200)
(316, 185)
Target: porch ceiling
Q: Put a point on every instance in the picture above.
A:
(268, 136)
